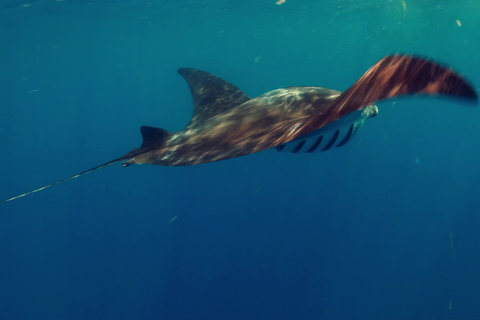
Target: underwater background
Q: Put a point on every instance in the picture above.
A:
(386, 227)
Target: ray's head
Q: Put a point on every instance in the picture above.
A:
(371, 111)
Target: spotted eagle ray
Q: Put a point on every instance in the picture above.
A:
(226, 123)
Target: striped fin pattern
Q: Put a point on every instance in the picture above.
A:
(335, 134)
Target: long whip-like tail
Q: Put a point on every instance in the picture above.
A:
(66, 179)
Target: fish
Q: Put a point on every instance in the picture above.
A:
(226, 123)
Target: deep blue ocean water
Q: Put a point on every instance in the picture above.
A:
(386, 227)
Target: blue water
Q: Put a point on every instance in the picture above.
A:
(386, 227)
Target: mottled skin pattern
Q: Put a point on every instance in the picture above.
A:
(211, 95)
(227, 124)
(258, 124)
(282, 115)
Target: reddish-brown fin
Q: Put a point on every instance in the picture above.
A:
(395, 76)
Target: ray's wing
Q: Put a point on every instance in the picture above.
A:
(394, 76)
(211, 94)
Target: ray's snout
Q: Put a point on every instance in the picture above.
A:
(372, 110)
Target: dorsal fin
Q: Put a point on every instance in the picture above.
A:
(211, 95)
(153, 137)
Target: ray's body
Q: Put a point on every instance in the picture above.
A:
(226, 123)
